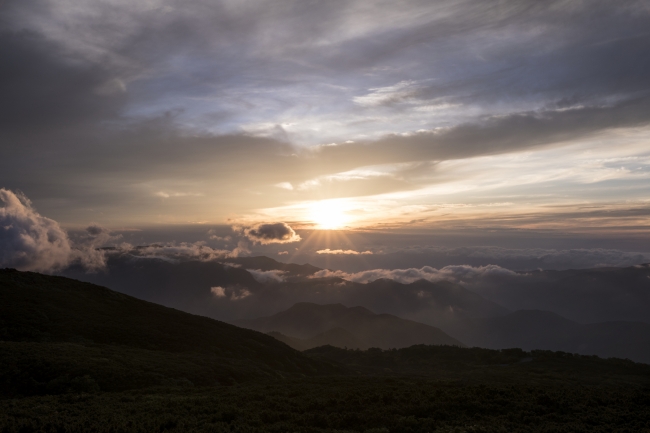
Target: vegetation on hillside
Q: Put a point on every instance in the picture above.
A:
(76, 357)
(312, 405)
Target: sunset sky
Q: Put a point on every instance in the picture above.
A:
(348, 114)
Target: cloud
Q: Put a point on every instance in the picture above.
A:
(270, 233)
(159, 100)
(456, 273)
(272, 276)
(399, 92)
(285, 185)
(214, 235)
(176, 252)
(283, 253)
(235, 293)
(87, 246)
(338, 252)
(218, 291)
(32, 242)
(28, 240)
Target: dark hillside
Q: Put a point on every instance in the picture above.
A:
(534, 329)
(49, 324)
(487, 366)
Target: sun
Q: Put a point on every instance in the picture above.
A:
(328, 214)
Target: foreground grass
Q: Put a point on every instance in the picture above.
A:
(337, 404)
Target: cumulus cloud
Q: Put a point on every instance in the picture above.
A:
(270, 233)
(32, 242)
(283, 253)
(28, 240)
(457, 273)
(272, 276)
(87, 246)
(351, 252)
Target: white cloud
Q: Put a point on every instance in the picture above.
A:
(337, 252)
(28, 240)
(235, 293)
(285, 185)
(218, 291)
(451, 273)
(164, 194)
(32, 242)
(272, 276)
(399, 92)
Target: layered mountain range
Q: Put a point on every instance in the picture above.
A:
(307, 325)
(593, 311)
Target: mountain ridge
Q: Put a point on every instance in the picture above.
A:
(308, 321)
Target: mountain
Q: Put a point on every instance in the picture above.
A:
(337, 337)
(535, 329)
(260, 286)
(53, 328)
(484, 366)
(583, 295)
(340, 326)
(433, 303)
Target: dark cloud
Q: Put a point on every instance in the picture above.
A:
(44, 87)
(495, 135)
(123, 95)
(271, 233)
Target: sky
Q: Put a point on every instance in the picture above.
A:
(506, 122)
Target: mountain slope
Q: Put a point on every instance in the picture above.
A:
(310, 321)
(583, 295)
(42, 315)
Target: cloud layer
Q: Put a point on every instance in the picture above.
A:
(278, 103)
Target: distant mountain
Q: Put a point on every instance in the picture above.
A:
(52, 326)
(544, 330)
(433, 303)
(483, 366)
(239, 292)
(340, 326)
(583, 295)
(336, 337)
